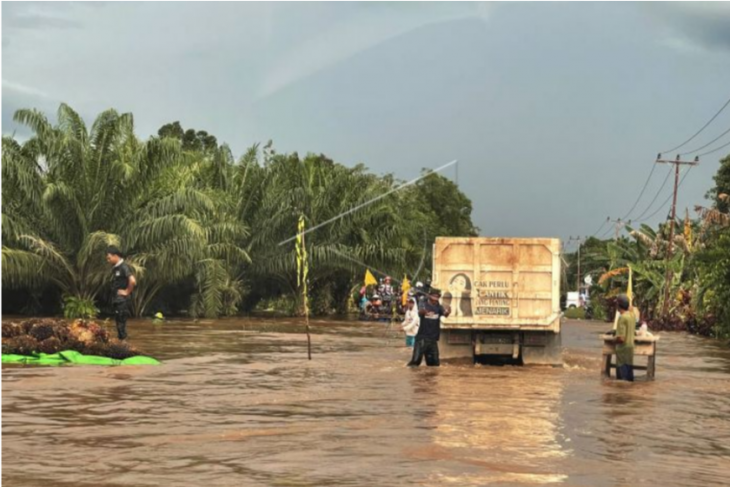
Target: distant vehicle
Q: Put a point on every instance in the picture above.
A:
(575, 299)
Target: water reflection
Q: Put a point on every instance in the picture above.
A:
(493, 426)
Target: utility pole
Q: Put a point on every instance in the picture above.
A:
(580, 242)
(618, 223)
(670, 248)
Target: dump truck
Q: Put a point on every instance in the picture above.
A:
(504, 295)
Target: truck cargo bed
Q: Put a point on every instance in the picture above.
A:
(504, 294)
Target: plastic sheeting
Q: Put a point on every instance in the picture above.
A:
(73, 357)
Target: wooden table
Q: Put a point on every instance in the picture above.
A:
(643, 346)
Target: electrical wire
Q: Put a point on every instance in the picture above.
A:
(664, 204)
(707, 144)
(601, 227)
(700, 130)
(713, 150)
(604, 234)
(646, 183)
(666, 178)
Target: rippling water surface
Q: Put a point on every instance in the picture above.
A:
(237, 403)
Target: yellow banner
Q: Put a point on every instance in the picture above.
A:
(405, 286)
(687, 230)
(370, 279)
(302, 264)
(630, 288)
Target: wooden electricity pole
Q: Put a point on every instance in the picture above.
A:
(670, 248)
(580, 242)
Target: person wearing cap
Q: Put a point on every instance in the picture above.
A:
(625, 340)
(429, 331)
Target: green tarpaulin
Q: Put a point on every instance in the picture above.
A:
(73, 357)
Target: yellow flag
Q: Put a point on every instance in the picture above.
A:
(630, 288)
(687, 230)
(405, 286)
(370, 279)
(300, 249)
(302, 263)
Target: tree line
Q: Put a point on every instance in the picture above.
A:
(699, 287)
(203, 230)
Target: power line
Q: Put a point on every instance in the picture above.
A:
(706, 145)
(666, 178)
(603, 224)
(605, 234)
(714, 150)
(700, 130)
(608, 230)
(664, 204)
(646, 183)
(369, 202)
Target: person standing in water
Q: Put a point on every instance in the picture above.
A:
(411, 322)
(123, 283)
(429, 331)
(625, 341)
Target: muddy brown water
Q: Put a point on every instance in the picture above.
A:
(237, 403)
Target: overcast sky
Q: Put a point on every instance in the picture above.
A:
(555, 111)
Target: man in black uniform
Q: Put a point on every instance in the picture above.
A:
(123, 283)
(429, 332)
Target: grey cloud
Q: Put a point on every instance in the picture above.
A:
(357, 29)
(575, 95)
(16, 97)
(31, 15)
(38, 21)
(701, 23)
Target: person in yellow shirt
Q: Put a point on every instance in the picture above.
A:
(625, 340)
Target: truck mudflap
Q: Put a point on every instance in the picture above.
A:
(542, 348)
(456, 345)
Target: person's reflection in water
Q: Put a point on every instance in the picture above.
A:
(424, 383)
(624, 408)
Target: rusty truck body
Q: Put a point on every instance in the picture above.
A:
(504, 295)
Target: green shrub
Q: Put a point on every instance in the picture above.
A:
(79, 308)
(575, 313)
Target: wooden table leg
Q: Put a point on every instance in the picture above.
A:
(651, 364)
(606, 369)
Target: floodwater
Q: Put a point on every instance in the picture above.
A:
(237, 403)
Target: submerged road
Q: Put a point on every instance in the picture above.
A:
(237, 403)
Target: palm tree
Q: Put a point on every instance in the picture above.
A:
(69, 191)
(321, 190)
